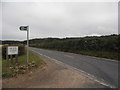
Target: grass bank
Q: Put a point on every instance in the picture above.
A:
(101, 54)
(10, 70)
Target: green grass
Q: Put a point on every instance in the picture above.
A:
(0, 62)
(0, 66)
(6, 70)
(101, 54)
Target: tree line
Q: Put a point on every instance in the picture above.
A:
(108, 44)
(101, 46)
(94, 43)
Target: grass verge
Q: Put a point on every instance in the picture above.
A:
(100, 54)
(10, 70)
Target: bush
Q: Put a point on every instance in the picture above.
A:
(21, 50)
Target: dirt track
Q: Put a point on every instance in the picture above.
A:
(52, 75)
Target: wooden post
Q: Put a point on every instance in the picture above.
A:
(7, 56)
(11, 59)
(16, 58)
(6, 53)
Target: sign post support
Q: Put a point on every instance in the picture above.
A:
(16, 58)
(27, 44)
(6, 53)
(26, 28)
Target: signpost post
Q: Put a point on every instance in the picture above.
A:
(26, 28)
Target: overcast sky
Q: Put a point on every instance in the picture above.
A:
(61, 19)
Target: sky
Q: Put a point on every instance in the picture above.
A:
(59, 19)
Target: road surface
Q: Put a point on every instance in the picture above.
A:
(102, 70)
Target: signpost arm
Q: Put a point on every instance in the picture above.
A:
(27, 44)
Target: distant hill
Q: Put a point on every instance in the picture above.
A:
(11, 42)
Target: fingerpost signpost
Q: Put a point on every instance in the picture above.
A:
(26, 28)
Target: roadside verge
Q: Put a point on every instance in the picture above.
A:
(52, 75)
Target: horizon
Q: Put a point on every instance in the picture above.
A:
(60, 38)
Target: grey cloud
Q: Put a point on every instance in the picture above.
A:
(59, 19)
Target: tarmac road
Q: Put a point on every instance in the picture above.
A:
(104, 71)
